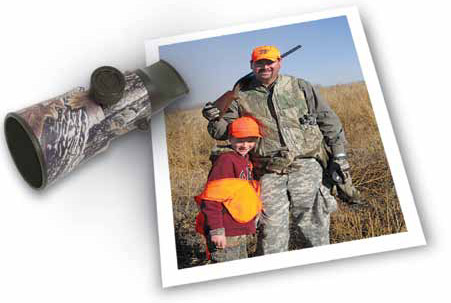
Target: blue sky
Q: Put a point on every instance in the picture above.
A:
(211, 66)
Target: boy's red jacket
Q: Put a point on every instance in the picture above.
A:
(235, 206)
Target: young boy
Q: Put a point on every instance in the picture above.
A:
(230, 201)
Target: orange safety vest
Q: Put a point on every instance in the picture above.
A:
(240, 197)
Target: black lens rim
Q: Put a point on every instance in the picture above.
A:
(16, 131)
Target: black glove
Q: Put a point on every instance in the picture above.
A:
(339, 169)
(210, 112)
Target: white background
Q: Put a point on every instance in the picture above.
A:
(92, 237)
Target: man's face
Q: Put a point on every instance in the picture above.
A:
(266, 71)
(243, 145)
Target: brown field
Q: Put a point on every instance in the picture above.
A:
(189, 148)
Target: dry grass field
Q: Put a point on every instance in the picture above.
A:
(189, 148)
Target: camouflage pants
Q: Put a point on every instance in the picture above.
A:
(235, 249)
(300, 196)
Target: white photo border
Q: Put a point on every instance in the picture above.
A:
(172, 276)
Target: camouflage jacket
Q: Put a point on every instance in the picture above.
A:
(296, 120)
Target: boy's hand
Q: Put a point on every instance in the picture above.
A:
(219, 240)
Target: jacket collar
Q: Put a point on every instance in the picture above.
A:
(257, 85)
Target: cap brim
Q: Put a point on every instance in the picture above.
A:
(265, 58)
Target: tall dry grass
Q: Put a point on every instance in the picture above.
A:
(189, 147)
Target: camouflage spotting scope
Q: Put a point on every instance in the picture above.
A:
(49, 139)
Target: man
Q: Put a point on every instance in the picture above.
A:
(290, 158)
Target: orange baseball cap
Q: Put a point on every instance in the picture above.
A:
(265, 52)
(245, 127)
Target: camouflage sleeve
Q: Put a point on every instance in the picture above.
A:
(218, 129)
(327, 119)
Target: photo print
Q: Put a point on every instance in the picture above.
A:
(311, 171)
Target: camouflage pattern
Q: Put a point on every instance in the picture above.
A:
(72, 128)
(298, 197)
(235, 249)
(283, 130)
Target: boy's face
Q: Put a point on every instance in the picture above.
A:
(243, 145)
